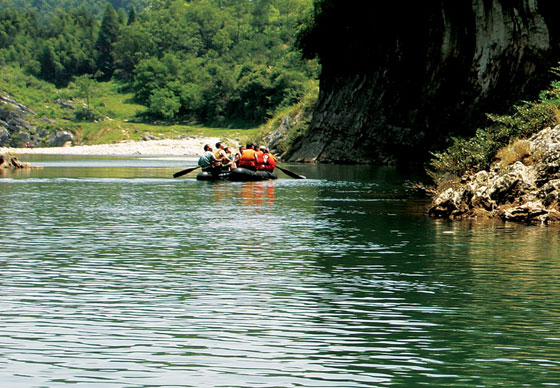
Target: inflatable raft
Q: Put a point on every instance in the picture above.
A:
(238, 174)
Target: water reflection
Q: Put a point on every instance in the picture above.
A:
(245, 194)
(137, 279)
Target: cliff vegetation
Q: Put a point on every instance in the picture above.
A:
(509, 170)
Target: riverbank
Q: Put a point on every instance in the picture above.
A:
(523, 185)
(187, 146)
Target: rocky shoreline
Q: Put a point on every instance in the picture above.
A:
(12, 162)
(525, 189)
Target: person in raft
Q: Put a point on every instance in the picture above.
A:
(269, 161)
(237, 155)
(248, 158)
(230, 156)
(259, 155)
(208, 161)
(221, 155)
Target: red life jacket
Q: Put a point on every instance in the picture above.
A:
(260, 160)
(270, 163)
(247, 158)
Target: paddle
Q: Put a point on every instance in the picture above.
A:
(185, 171)
(290, 173)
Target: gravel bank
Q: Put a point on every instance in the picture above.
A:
(191, 146)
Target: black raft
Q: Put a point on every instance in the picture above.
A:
(238, 174)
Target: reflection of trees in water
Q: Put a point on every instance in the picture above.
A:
(515, 250)
(422, 296)
(508, 299)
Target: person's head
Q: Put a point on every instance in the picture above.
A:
(265, 150)
(250, 146)
(207, 147)
(262, 148)
(226, 148)
(219, 144)
(241, 148)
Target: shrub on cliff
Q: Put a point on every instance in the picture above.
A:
(468, 155)
(290, 124)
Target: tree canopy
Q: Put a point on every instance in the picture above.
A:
(212, 61)
(46, 8)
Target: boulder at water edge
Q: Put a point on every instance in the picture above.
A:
(7, 161)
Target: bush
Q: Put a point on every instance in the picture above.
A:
(164, 103)
(518, 150)
(85, 114)
(469, 155)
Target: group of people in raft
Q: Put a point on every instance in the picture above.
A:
(248, 157)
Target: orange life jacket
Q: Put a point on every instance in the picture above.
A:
(270, 163)
(248, 158)
(260, 160)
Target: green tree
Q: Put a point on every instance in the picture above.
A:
(210, 60)
(260, 14)
(107, 36)
(51, 68)
(135, 43)
(150, 75)
(17, 35)
(86, 87)
(164, 103)
(71, 39)
(121, 16)
(131, 15)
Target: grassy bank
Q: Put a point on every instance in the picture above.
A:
(118, 117)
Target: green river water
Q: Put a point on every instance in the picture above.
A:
(114, 274)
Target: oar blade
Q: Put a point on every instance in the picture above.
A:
(290, 173)
(185, 171)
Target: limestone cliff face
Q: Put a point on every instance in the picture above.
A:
(399, 79)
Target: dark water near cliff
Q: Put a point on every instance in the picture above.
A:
(113, 274)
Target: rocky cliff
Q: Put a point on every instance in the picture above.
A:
(399, 79)
(524, 189)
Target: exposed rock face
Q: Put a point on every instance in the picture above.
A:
(14, 128)
(4, 136)
(398, 79)
(275, 139)
(519, 192)
(16, 131)
(61, 138)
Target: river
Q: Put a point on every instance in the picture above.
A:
(114, 274)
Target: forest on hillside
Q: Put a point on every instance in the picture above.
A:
(45, 8)
(219, 62)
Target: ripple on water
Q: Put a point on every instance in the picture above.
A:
(162, 282)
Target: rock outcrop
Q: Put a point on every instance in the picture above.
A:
(17, 131)
(14, 128)
(398, 78)
(60, 138)
(526, 191)
(13, 162)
